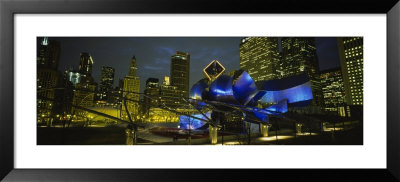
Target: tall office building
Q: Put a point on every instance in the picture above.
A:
(85, 89)
(115, 98)
(48, 77)
(351, 62)
(64, 97)
(106, 81)
(152, 93)
(85, 64)
(46, 80)
(259, 56)
(179, 74)
(48, 54)
(131, 88)
(170, 95)
(299, 56)
(333, 91)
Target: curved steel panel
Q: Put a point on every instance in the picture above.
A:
(197, 89)
(221, 89)
(244, 88)
(295, 94)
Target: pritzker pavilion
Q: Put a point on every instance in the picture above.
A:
(218, 94)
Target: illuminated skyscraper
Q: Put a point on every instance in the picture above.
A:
(333, 91)
(84, 92)
(85, 64)
(170, 95)
(131, 91)
(351, 62)
(47, 77)
(180, 68)
(106, 82)
(115, 98)
(259, 56)
(299, 56)
(46, 80)
(153, 91)
(48, 54)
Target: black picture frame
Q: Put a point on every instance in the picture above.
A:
(9, 8)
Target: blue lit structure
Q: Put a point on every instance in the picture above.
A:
(244, 88)
(186, 122)
(197, 91)
(297, 90)
(256, 101)
(221, 90)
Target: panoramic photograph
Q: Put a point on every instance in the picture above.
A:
(199, 91)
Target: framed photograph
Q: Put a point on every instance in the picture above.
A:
(117, 90)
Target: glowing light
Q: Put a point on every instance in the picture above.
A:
(272, 138)
(333, 129)
(45, 41)
(280, 107)
(306, 133)
(232, 143)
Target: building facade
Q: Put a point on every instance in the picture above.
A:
(48, 54)
(170, 95)
(106, 82)
(48, 78)
(351, 62)
(152, 94)
(180, 72)
(85, 64)
(131, 88)
(259, 56)
(130, 92)
(333, 90)
(299, 56)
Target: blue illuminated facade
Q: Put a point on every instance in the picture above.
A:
(244, 88)
(296, 94)
(221, 90)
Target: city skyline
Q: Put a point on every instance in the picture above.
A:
(153, 54)
(225, 90)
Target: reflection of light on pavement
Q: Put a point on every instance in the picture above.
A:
(231, 143)
(272, 138)
(306, 133)
(331, 129)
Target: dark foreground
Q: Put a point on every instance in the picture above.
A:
(116, 136)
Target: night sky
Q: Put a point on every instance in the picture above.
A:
(153, 54)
